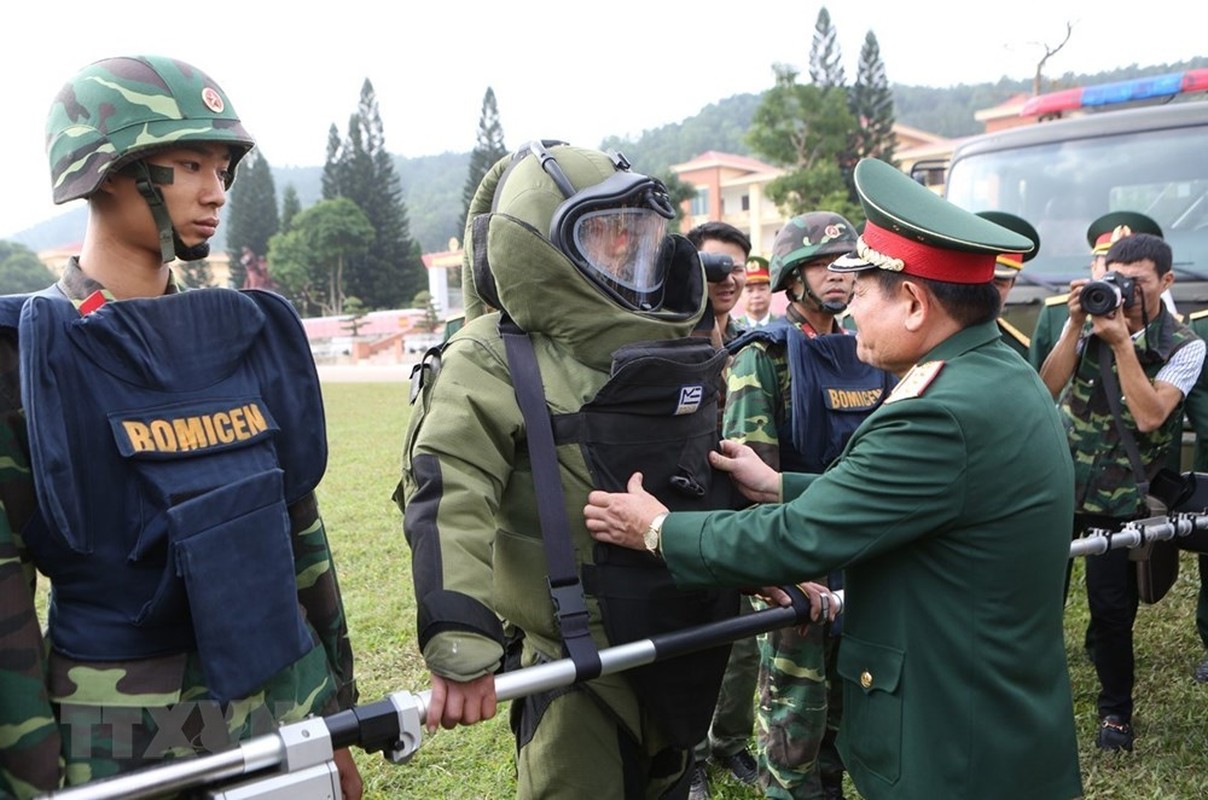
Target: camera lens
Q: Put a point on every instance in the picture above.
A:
(1099, 298)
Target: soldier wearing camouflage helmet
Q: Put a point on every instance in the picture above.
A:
(160, 460)
(582, 309)
(803, 249)
(781, 389)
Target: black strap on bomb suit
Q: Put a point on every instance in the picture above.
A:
(657, 414)
(564, 586)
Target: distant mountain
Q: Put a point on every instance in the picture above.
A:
(432, 185)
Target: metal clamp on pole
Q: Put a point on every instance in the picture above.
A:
(1137, 533)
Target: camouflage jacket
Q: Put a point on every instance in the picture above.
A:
(1197, 401)
(44, 695)
(733, 330)
(758, 396)
(1103, 475)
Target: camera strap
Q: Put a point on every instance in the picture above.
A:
(1111, 388)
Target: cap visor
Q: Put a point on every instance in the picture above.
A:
(850, 263)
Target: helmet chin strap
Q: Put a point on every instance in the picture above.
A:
(818, 304)
(147, 178)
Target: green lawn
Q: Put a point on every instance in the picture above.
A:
(365, 428)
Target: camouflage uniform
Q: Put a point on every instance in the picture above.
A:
(67, 721)
(144, 693)
(1197, 413)
(1106, 495)
(29, 739)
(733, 330)
(733, 716)
(1102, 473)
(799, 705)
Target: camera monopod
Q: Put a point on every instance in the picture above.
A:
(295, 762)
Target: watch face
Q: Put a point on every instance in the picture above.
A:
(651, 539)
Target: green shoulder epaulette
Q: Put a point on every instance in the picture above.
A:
(1198, 315)
(1057, 299)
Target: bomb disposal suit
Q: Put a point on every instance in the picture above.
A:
(570, 247)
(173, 445)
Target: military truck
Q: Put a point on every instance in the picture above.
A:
(1139, 145)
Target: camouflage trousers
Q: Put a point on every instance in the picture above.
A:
(734, 715)
(100, 742)
(797, 719)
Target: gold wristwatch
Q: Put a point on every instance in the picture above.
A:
(653, 534)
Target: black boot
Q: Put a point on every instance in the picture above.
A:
(832, 785)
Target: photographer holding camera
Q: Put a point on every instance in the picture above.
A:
(1120, 341)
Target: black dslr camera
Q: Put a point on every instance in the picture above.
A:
(717, 266)
(1108, 293)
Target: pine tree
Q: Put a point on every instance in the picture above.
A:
(356, 312)
(488, 149)
(290, 206)
(252, 218)
(331, 165)
(361, 170)
(805, 129)
(826, 69)
(430, 321)
(871, 102)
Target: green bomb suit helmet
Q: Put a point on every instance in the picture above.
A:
(610, 222)
(116, 111)
(574, 245)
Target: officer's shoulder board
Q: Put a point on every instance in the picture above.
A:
(1198, 315)
(915, 382)
(1057, 300)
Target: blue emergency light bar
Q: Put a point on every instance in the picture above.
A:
(1106, 94)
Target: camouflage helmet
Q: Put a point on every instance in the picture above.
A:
(806, 237)
(117, 110)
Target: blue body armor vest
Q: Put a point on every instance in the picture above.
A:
(832, 392)
(168, 437)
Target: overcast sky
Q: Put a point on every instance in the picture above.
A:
(572, 71)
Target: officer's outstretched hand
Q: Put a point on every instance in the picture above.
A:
(452, 703)
(758, 482)
(621, 518)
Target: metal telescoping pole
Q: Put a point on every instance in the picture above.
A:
(394, 724)
(1137, 533)
(253, 755)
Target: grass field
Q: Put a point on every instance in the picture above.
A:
(365, 429)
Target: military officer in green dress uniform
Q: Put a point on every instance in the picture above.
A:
(1101, 234)
(1006, 271)
(953, 661)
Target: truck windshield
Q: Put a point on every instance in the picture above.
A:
(1061, 186)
